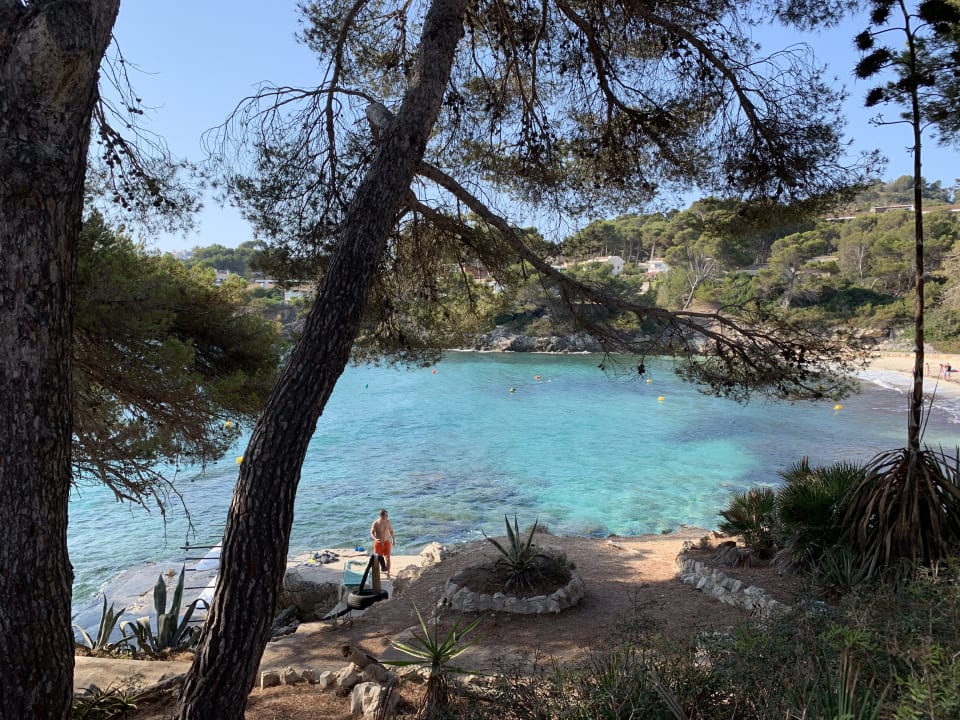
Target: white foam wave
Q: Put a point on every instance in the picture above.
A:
(945, 406)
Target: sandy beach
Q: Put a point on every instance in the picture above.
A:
(933, 379)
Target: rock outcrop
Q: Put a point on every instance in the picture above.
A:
(503, 340)
(311, 600)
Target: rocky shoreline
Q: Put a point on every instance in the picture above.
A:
(503, 340)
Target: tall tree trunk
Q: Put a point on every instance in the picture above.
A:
(915, 416)
(49, 57)
(257, 534)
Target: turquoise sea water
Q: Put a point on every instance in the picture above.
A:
(450, 450)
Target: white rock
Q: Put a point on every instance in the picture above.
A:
(269, 678)
(290, 676)
(347, 677)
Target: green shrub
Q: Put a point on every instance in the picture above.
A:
(932, 687)
(837, 572)
(751, 515)
(810, 510)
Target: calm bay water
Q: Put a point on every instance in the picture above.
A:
(451, 450)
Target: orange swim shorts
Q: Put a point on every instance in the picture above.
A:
(381, 547)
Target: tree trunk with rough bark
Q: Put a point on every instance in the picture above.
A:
(50, 54)
(257, 534)
(915, 416)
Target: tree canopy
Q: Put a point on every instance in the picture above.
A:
(552, 110)
(167, 365)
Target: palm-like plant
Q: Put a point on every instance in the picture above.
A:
(751, 515)
(906, 510)
(428, 650)
(810, 510)
(519, 556)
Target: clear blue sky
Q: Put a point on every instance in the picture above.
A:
(199, 59)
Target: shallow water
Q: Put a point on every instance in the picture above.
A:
(450, 450)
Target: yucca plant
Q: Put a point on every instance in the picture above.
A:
(906, 510)
(810, 510)
(837, 572)
(108, 623)
(519, 556)
(173, 632)
(428, 650)
(751, 515)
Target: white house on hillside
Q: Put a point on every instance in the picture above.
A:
(655, 267)
(615, 262)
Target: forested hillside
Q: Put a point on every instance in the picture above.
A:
(854, 267)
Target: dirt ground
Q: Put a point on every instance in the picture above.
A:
(622, 576)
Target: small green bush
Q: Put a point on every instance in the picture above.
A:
(751, 515)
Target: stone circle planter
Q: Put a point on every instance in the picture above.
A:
(464, 599)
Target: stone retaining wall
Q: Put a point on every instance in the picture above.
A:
(719, 585)
(466, 600)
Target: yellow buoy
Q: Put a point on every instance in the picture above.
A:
(239, 459)
(661, 398)
(649, 380)
(838, 407)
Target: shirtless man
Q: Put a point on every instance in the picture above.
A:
(379, 531)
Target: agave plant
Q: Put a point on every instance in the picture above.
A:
(428, 650)
(810, 510)
(906, 510)
(519, 556)
(751, 515)
(108, 622)
(173, 632)
(106, 704)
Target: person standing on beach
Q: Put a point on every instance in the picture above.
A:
(382, 533)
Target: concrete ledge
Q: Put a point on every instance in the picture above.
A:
(123, 672)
